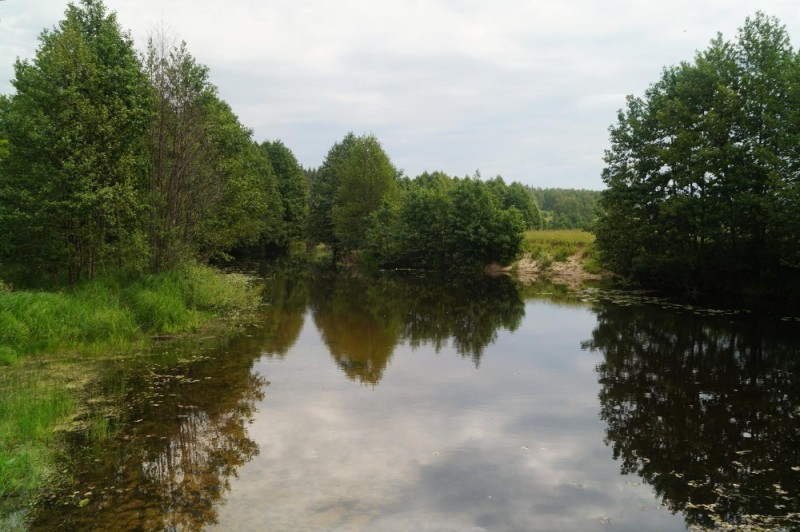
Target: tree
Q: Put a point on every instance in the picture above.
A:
(293, 191)
(443, 223)
(366, 181)
(517, 196)
(322, 193)
(5, 102)
(71, 187)
(701, 170)
(482, 230)
(566, 208)
(211, 188)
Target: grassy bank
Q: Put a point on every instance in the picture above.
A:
(42, 332)
(557, 245)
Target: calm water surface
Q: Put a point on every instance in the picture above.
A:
(411, 404)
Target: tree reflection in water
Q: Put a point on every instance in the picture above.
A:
(184, 437)
(362, 320)
(706, 410)
(168, 434)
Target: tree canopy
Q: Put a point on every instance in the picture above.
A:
(115, 161)
(702, 171)
(71, 186)
(564, 208)
(442, 222)
(108, 162)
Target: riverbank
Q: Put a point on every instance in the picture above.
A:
(44, 337)
(560, 256)
(571, 272)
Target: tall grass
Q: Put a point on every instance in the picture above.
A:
(110, 314)
(31, 405)
(557, 245)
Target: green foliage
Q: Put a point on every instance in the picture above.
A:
(70, 189)
(367, 182)
(517, 196)
(566, 208)
(700, 174)
(183, 298)
(211, 188)
(323, 188)
(446, 223)
(293, 191)
(110, 313)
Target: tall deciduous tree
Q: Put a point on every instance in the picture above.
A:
(293, 190)
(323, 187)
(702, 171)
(367, 179)
(70, 193)
(210, 186)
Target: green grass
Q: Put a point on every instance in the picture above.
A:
(39, 389)
(106, 314)
(32, 404)
(557, 245)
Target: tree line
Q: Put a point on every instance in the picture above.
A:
(702, 173)
(112, 160)
(565, 208)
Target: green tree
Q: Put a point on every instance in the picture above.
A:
(367, 180)
(293, 191)
(71, 187)
(563, 208)
(517, 196)
(323, 187)
(211, 187)
(700, 172)
(443, 223)
(483, 231)
(5, 102)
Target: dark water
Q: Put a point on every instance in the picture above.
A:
(411, 404)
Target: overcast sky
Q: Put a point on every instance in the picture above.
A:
(521, 88)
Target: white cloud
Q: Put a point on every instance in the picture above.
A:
(448, 85)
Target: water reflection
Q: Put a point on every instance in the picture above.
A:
(705, 409)
(173, 436)
(362, 320)
(286, 295)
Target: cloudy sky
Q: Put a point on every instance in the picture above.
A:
(521, 88)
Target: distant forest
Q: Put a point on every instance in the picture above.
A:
(564, 208)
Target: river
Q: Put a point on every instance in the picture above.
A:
(412, 403)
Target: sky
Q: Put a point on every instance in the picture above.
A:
(525, 89)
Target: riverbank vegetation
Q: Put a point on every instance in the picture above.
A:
(702, 181)
(92, 320)
(115, 313)
(362, 208)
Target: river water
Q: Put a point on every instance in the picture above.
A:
(407, 403)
